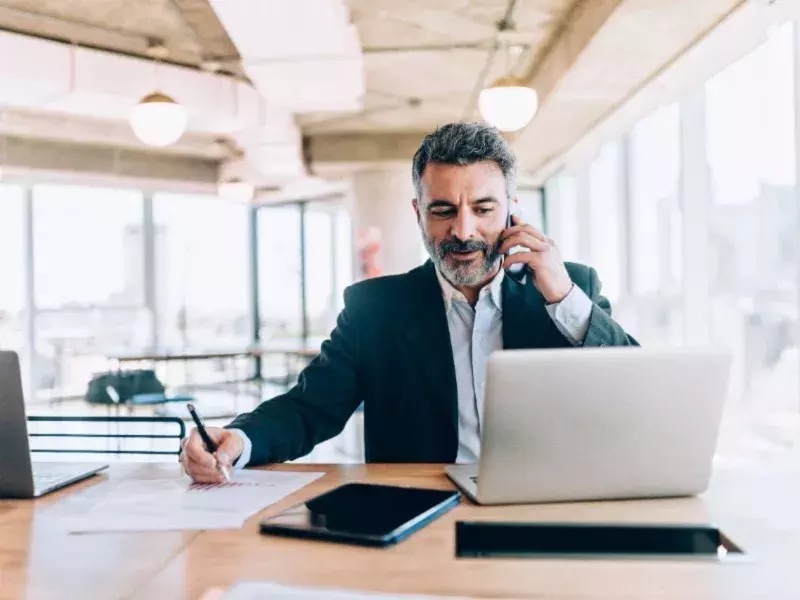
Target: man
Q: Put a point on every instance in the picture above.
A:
(413, 347)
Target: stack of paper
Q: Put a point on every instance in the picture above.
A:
(172, 504)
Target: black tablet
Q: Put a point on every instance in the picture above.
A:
(581, 540)
(364, 514)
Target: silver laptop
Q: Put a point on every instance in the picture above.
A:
(19, 477)
(591, 424)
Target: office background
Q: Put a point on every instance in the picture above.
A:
(687, 207)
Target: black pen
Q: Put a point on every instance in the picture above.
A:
(209, 443)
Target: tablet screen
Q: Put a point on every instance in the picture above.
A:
(475, 539)
(361, 510)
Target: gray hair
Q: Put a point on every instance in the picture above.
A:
(465, 144)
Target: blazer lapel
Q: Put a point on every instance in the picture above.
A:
(428, 335)
(526, 322)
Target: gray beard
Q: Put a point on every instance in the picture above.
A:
(464, 273)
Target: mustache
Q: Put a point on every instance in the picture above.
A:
(456, 245)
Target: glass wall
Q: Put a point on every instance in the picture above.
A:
(656, 223)
(280, 293)
(329, 264)
(88, 282)
(324, 230)
(530, 201)
(605, 218)
(693, 226)
(563, 215)
(201, 271)
(753, 227)
(12, 268)
(120, 271)
(345, 260)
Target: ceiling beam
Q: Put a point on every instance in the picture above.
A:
(85, 34)
(101, 132)
(211, 36)
(25, 156)
(746, 27)
(608, 49)
(577, 28)
(363, 148)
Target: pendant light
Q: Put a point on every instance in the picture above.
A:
(158, 120)
(509, 103)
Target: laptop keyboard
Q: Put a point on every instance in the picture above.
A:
(43, 479)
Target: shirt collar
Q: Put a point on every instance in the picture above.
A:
(494, 289)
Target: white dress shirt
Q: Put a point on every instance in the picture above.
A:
(476, 332)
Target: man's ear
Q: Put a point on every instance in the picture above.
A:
(415, 204)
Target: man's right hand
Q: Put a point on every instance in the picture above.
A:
(202, 466)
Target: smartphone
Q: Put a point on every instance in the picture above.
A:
(516, 270)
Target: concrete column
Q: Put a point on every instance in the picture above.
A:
(796, 73)
(695, 195)
(583, 213)
(29, 354)
(382, 200)
(149, 271)
(625, 185)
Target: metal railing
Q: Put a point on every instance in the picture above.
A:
(119, 420)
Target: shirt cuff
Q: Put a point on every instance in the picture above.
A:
(244, 457)
(572, 315)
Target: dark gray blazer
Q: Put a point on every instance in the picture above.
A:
(391, 350)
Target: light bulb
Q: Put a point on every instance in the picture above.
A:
(158, 120)
(508, 104)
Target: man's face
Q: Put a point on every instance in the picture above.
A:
(461, 212)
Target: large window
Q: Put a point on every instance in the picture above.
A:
(562, 215)
(280, 295)
(329, 264)
(88, 282)
(655, 228)
(113, 271)
(12, 268)
(605, 217)
(322, 231)
(201, 272)
(344, 261)
(530, 201)
(753, 228)
(704, 193)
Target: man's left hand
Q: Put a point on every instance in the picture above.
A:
(543, 258)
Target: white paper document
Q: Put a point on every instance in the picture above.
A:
(262, 590)
(174, 504)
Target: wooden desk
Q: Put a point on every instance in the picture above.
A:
(759, 511)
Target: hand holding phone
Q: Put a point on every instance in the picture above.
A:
(526, 248)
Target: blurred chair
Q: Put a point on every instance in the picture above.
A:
(157, 399)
